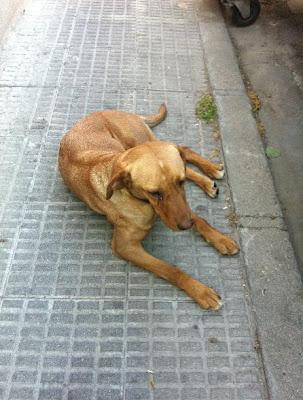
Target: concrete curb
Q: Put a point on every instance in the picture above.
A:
(271, 268)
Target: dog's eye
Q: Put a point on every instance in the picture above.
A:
(181, 182)
(157, 195)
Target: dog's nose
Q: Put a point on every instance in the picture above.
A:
(185, 224)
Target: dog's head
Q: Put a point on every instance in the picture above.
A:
(155, 172)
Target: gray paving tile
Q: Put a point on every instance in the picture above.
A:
(76, 322)
(54, 348)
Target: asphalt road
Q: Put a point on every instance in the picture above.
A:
(270, 55)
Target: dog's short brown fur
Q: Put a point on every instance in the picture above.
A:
(113, 162)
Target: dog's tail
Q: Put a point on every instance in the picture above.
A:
(155, 119)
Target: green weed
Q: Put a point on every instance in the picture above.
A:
(206, 109)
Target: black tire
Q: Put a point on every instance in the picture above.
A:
(237, 18)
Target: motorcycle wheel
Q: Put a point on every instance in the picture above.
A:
(239, 20)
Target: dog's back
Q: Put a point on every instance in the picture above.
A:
(109, 131)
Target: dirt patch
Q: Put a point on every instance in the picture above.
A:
(275, 7)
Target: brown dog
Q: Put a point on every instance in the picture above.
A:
(113, 162)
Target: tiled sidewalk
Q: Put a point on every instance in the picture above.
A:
(76, 322)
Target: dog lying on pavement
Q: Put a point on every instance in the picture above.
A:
(114, 163)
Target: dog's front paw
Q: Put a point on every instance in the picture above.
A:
(226, 245)
(206, 297)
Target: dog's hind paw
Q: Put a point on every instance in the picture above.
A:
(219, 172)
(212, 190)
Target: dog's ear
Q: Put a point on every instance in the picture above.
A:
(118, 180)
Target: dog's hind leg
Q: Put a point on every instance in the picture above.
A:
(126, 245)
(155, 119)
(209, 168)
(206, 184)
(223, 243)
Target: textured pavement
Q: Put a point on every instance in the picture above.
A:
(77, 323)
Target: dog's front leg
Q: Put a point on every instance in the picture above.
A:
(128, 247)
(223, 243)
